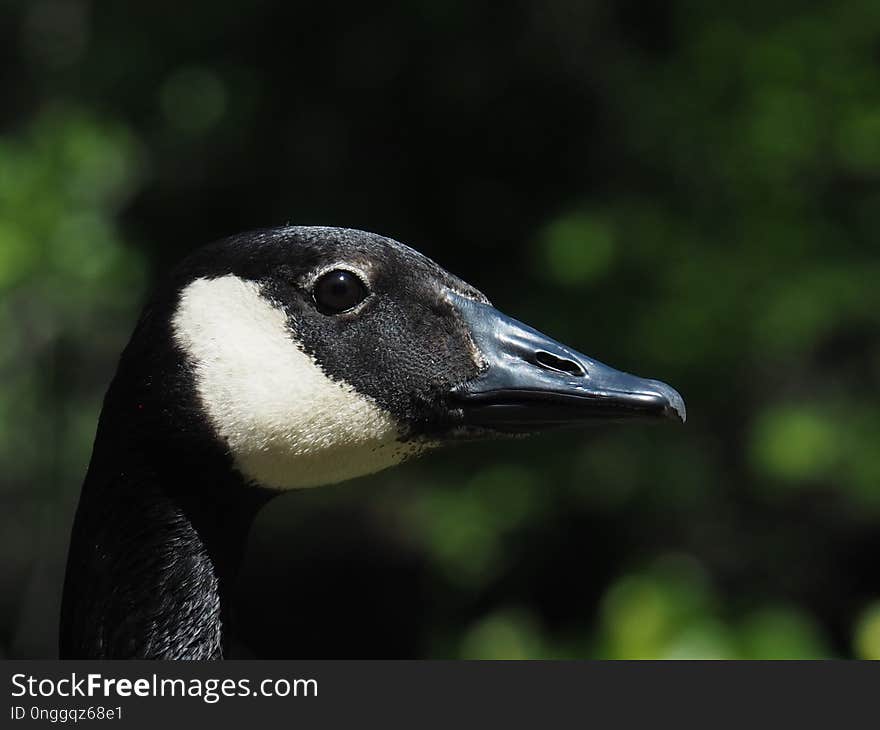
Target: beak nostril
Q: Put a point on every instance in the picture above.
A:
(558, 364)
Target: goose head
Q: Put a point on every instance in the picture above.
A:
(316, 355)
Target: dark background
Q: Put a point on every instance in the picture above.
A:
(686, 190)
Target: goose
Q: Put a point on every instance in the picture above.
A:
(282, 359)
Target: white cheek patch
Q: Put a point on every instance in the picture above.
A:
(285, 422)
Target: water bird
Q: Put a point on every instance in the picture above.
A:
(280, 359)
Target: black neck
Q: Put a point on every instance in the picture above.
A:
(163, 518)
(155, 551)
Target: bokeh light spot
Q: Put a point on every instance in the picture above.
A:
(578, 249)
(794, 443)
(867, 634)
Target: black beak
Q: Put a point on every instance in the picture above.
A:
(531, 382)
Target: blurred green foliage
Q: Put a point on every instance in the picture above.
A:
(687, 190)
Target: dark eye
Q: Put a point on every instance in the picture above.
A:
(338, 291)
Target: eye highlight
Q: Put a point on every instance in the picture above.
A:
(338, 291)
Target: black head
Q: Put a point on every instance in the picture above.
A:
(319, 354)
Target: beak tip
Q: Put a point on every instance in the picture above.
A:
(675, 408)
(675, 414)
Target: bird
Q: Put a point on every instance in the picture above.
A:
(281, 359)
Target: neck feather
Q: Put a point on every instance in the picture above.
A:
(154, 556)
